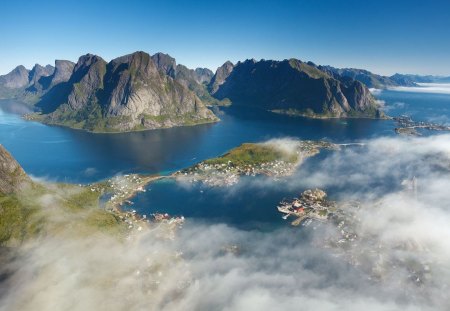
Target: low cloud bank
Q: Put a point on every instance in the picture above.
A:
(436, 88)
(218, 267)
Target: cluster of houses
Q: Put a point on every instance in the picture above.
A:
(228, 174)
(311, 205)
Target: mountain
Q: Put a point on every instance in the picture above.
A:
(38, 72)
(195, 80)
(12, 176)
(409, 78)
(371, 80)
(62, 71)
(221, 74)
(165, 63)
(29, 85)
(17, 78)
(181, 73)
(132, 92)
(14, 82)
(203, 75)
(293, 87)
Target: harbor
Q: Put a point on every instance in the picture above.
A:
(310, 206)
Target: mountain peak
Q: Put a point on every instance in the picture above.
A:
(221, 75)
(17, 78)
(165, 63)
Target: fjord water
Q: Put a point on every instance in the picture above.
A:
(63, 154)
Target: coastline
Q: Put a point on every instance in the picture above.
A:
(32, 117)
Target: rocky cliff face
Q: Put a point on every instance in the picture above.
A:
(165, 63)
(131, 92)
(12, 176)
(292, 86)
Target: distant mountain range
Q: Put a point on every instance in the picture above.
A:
(371, 80)
(403, 79)
(141, 91)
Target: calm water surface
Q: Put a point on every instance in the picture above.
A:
(63, 154)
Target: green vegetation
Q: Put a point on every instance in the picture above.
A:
(15, 220)
(253, 154)
(55, 209)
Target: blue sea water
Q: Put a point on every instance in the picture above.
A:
(63, 154)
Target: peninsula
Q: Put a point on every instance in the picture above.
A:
(272, 158)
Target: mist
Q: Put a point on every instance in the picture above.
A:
(436, 88)
(214, 266)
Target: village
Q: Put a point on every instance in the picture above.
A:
(115, 194)
(218, 175)
(312, 206)
(407, 126)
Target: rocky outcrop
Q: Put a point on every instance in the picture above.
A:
(12, 176)
(292, 86)
(132, 92)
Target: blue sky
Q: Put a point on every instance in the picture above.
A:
(382, 36)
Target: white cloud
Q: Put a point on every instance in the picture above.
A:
(437, 88)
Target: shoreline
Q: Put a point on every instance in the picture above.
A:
(29, 117)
